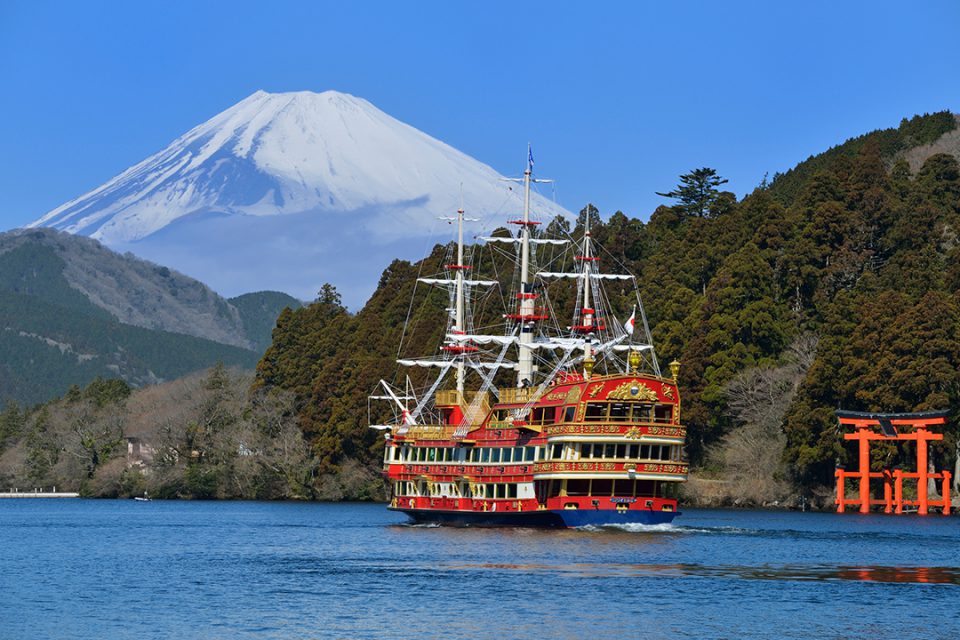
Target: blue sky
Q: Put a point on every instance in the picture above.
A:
(618, 98)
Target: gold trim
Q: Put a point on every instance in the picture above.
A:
(633, 390)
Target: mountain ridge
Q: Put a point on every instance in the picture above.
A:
(290, 179)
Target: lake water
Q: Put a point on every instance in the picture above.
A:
(125, 569)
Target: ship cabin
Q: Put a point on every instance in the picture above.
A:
(587, 442)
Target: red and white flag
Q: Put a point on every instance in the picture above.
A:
(628, 325)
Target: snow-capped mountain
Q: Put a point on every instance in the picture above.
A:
(286, 191)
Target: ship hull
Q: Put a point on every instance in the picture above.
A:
(559, 519)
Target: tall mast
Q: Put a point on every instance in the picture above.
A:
(587, 310)
(460, 328)
(525, 356)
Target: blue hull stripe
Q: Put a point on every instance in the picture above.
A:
(554, 519)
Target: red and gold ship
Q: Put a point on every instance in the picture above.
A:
(590, 434)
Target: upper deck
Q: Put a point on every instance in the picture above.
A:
(613, 406)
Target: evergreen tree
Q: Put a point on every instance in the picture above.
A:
(697, 193)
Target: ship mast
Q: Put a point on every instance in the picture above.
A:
(525, 355)
(459, 327)
(587, 310)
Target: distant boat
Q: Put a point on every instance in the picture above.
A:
(143, 498)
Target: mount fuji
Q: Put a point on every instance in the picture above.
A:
(287, 191)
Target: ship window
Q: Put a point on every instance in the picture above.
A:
(511, 491)
(530, 454)
(602, 487)
(641, 413)
(632, 451)
(557, 452)
(578, 487)
(619, 411)
(432, 454)
(645, 488)
(621, 451)
(485, 456)
(623, 488)
(663, 413)
(596, 411)
(507, 456)
(518, 454)
(492, 491)
(644, 452)
(569, 414)
(554, 489)
(495, 454)
(543, 415)
(609, 451)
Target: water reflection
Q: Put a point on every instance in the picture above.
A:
(887, 574)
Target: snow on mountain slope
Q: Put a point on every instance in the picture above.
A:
(346, 173)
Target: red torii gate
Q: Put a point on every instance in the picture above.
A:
(893, 502)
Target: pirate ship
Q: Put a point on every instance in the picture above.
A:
(586, 431)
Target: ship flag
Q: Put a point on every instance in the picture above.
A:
(628, 325)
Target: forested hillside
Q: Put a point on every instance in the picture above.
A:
(72, 310)
(836, 284)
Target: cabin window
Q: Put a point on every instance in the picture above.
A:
(506, 456)
(609, 451)
(623, 488)
(663, 413)
(554, 489)
(645, 488)
(644, 452)
(633, 451)
(619, 412)
(557, 452)
(530, 454)
(602, 487)
(578, 487)
(586, 450)
(642, 413)
(511, 491)
(621, 451)
(485, 456)
(518, 454)
(569, 414)
(543, 415)
(495, 454)
(595, 412)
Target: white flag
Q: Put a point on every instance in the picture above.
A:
(628, 325)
